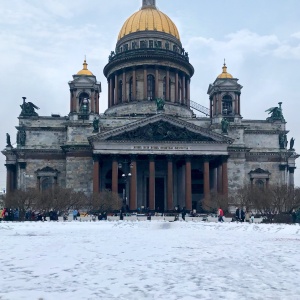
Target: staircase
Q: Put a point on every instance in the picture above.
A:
(200, 108)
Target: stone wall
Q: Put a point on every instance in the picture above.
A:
(79, 174)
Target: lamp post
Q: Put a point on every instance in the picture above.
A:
(125, 166)
(125, 190)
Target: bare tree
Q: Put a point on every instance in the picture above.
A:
(215, 201)
(105, 201)
(23, 200)
(245, 197)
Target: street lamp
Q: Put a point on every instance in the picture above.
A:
(126, 165)
(125, 189)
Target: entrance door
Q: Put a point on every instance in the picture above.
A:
(159, 193)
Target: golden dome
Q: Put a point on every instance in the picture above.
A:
(224, 74)
(151, 19)
(85, 70)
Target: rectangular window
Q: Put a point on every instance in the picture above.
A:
(143, 44)
(126, 47)
(150, 44)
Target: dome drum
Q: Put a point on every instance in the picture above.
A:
(140, 57)
(135, 40)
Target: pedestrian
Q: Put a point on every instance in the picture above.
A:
(121, 215)
(75, 213)
(242, 215)
(183, 213)
(104, 216)
(252, 218)
(220, 215)
(16, 214)
(1, 214)
(247, 216)
(294, 215)
(237, 214)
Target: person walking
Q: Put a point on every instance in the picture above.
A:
(75, 213)
(294, 216)
(183, 213)
(220, 215)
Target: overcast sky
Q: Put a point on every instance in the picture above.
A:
(43, 43)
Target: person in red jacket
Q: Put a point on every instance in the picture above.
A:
(220, 215)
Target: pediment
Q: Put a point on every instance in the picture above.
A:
(161, 128)
(84, 80)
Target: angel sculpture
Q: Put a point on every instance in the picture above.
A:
(276, 113)
(28, 109)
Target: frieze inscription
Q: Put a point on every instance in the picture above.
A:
(160, 148)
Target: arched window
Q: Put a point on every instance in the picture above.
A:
(150, 87)
(259, 183)
(120, 91)
(46, 183)
(83, 96)
(227, 105)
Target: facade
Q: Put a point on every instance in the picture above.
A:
(149, 146)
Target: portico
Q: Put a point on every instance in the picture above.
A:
(171, 163)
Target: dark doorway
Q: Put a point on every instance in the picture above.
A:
(159, 194)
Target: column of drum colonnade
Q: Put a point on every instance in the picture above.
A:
(181, 96)
(220, 181)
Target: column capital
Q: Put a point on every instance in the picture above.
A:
(10, 167)
(188, 157)
(151, 156)
(224, 158)
(22, 164)
(292, 170)
(170, 157)
(133, 157)
(282, 167)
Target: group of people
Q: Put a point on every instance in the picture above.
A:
(9, 214)
(240, 215)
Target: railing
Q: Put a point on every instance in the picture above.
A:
(204, 110)
(148, 51)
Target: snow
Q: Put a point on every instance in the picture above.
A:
(148, 260)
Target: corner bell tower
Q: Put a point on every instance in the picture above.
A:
(84, 95)
(224, 96)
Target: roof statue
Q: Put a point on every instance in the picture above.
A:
(292, 141)
(160, 103)
(28, 109)
(8, 143)
(276, 113)
(96, 125)
(224, 125)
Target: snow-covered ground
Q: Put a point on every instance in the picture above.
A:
(148, 260)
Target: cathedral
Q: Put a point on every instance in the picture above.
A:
(153, 145)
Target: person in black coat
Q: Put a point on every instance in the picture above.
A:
(183, 213)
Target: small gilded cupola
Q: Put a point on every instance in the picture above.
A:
(85, 70)
(224, 96)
